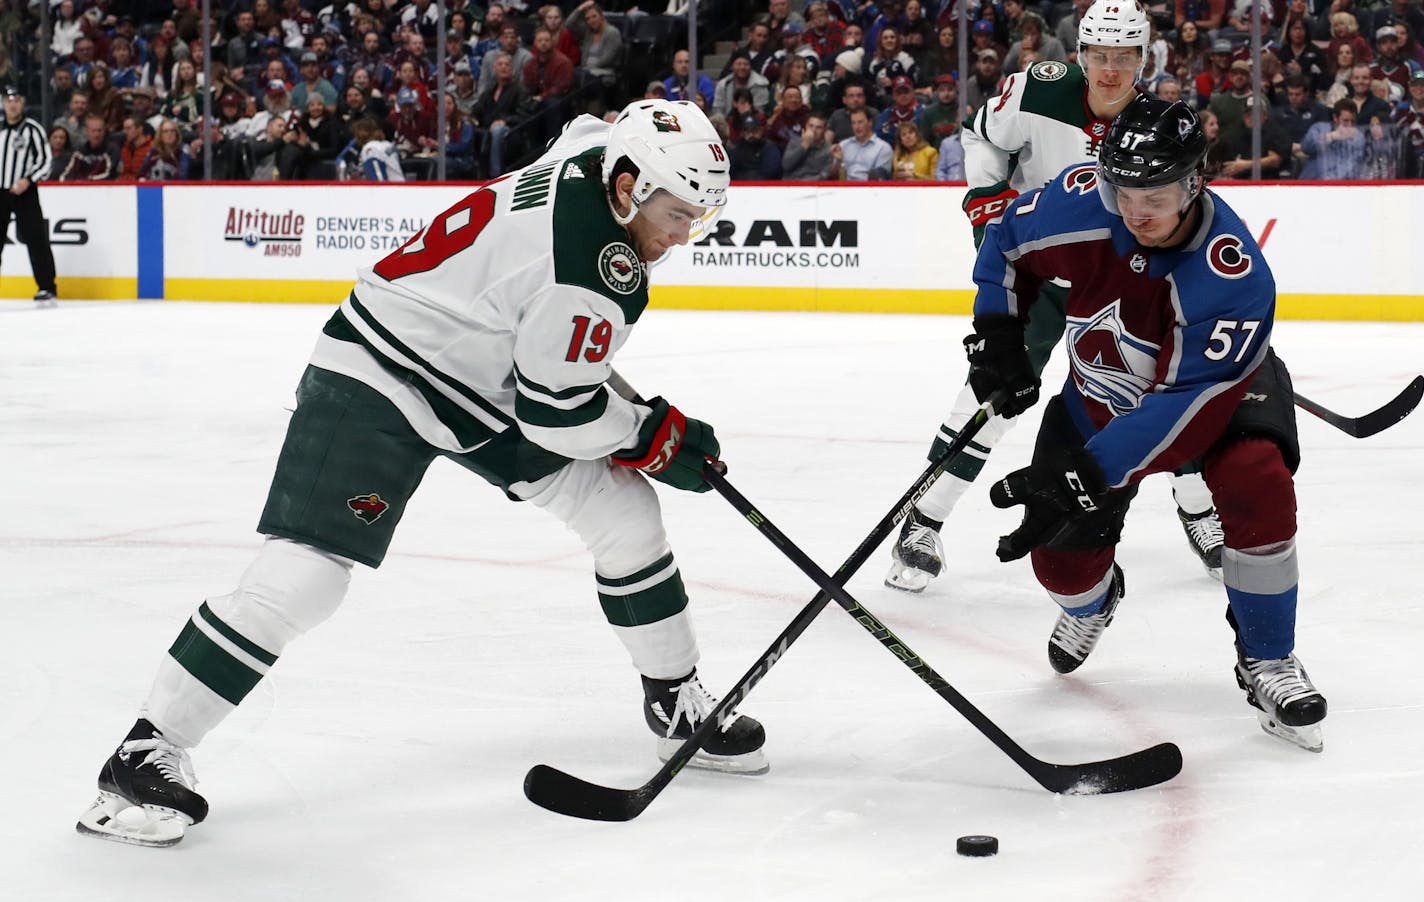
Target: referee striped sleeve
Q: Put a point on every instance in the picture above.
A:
(24, 153)
(46, 153)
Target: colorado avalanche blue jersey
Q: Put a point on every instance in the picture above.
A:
(1161, 344)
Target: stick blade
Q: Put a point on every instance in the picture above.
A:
(1402, 406)
(1376, 421)
(1138, 770)
(566, 794)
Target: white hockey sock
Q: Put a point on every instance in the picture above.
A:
(946, 492)
(663, 650)
(942, 497)
(1191, 493)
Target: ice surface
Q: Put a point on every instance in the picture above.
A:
(383, 759)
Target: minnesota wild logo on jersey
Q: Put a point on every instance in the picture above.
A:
(367, 508)
(619, 268)
(1049, 70)
(1039, 125)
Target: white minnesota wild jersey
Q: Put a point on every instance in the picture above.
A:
(506, 310)
(1036, 127)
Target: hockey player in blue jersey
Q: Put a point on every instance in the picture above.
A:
(1168, 332)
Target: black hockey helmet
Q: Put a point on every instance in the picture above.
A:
(1151, 143)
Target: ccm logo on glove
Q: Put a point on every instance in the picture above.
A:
(672, 448)
(1077, 484)
(668, 448)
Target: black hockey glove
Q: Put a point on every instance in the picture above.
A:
(672, 448)
(999, 360)
(1053, 497)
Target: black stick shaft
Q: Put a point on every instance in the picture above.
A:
(1134, 771)
(565, 794)
(829, 586)
(832, 589)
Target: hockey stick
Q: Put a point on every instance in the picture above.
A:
(564, 793)
(1376, 420)
(1137, 770)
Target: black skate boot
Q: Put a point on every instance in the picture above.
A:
(918, 554)
(675, 708)
(1204, 535)
(1074, 638)
(146, 792)
(1290, 707)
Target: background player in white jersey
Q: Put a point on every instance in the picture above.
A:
(1045, 119)
(486, 339)
(376, 159)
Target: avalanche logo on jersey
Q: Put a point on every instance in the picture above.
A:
(1081, 179)
(367, 508)
(1110, 365)
(1225, 256)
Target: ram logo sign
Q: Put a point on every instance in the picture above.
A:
(774, 232)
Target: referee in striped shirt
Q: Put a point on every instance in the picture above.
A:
(25, 158)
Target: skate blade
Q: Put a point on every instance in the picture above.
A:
(907, 579)
(1309, 738)
(115, 818)
(749, 765)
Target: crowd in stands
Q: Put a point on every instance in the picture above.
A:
(818, 90)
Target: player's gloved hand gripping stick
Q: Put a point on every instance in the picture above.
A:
(1053, 496)
(566, 794)
(998, 361)
(672, 447)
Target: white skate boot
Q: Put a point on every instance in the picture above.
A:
(918, 555)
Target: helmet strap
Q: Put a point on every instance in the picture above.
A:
(1193, 202)
(612, 194)
(622, 220)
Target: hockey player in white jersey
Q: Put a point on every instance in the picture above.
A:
(1045, 119)
(486, 339)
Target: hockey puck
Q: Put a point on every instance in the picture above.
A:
(977, 846)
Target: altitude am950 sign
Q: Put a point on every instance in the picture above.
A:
(291, 231)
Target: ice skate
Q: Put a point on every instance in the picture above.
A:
(1290, 707)
(918, 554)
(1074, 638)
(675, 708)
(146, 795)
(1204, 535)
(44, 298)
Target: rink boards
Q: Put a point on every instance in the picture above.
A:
(1341, 252)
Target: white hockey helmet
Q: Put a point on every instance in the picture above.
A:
(675, 148)
(1115, 23)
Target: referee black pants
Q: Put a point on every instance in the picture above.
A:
(30, 226)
